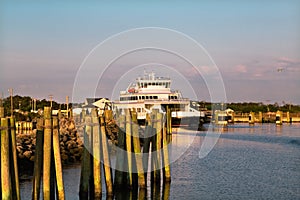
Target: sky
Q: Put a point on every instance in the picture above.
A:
(254, 45)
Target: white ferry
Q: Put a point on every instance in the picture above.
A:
(151, 92)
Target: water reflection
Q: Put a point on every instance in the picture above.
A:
(157, 191)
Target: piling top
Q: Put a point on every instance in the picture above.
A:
(1, 111)
(47, 112)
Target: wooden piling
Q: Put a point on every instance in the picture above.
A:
(108, 115)
(137, 150)
(47, 154)
(169, 120)
(278, 118)
(5, 175)
(13, 161)
(251, 118)
(106, 160)
(288, 119)
(1, 111)
(154, 159)
(166, 191)
(158, 143)
(57, 160)
(85, 163)
(38, 159)
(128, 146)
(165, 159)
(96, 155)
(260, 117)
(147, 140)
(120, 155)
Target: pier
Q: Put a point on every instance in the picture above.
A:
(142, 161)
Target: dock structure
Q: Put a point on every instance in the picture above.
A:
(286, 117)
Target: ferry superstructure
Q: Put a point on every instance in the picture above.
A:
(151, 92)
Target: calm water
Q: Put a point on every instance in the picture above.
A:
(257, 162)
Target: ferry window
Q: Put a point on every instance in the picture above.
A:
(160, 83)
(139, 97)
(139, 109)
(147, 97)
(175, 97)
(155, 97)
(143, 97)
(145, 85)
(150, 97)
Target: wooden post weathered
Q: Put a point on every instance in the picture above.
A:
(165, 159)
(1, 111)
(106, 160)
(154, 160)
(128, 146)
(47, 154)
(146, 147)
(5, 175)
(120, 178)
(86, 161)
(38, 159)
(166, 191)
(169, 120)
(13, 160)
(57, 160)
(158, 143)
(96, 155)
(137, 150)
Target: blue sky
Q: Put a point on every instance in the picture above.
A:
(42, 45)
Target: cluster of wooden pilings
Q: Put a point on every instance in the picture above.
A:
(141, 162)
(9, 186)
(48, 159)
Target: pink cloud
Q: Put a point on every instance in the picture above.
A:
(240, 68)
